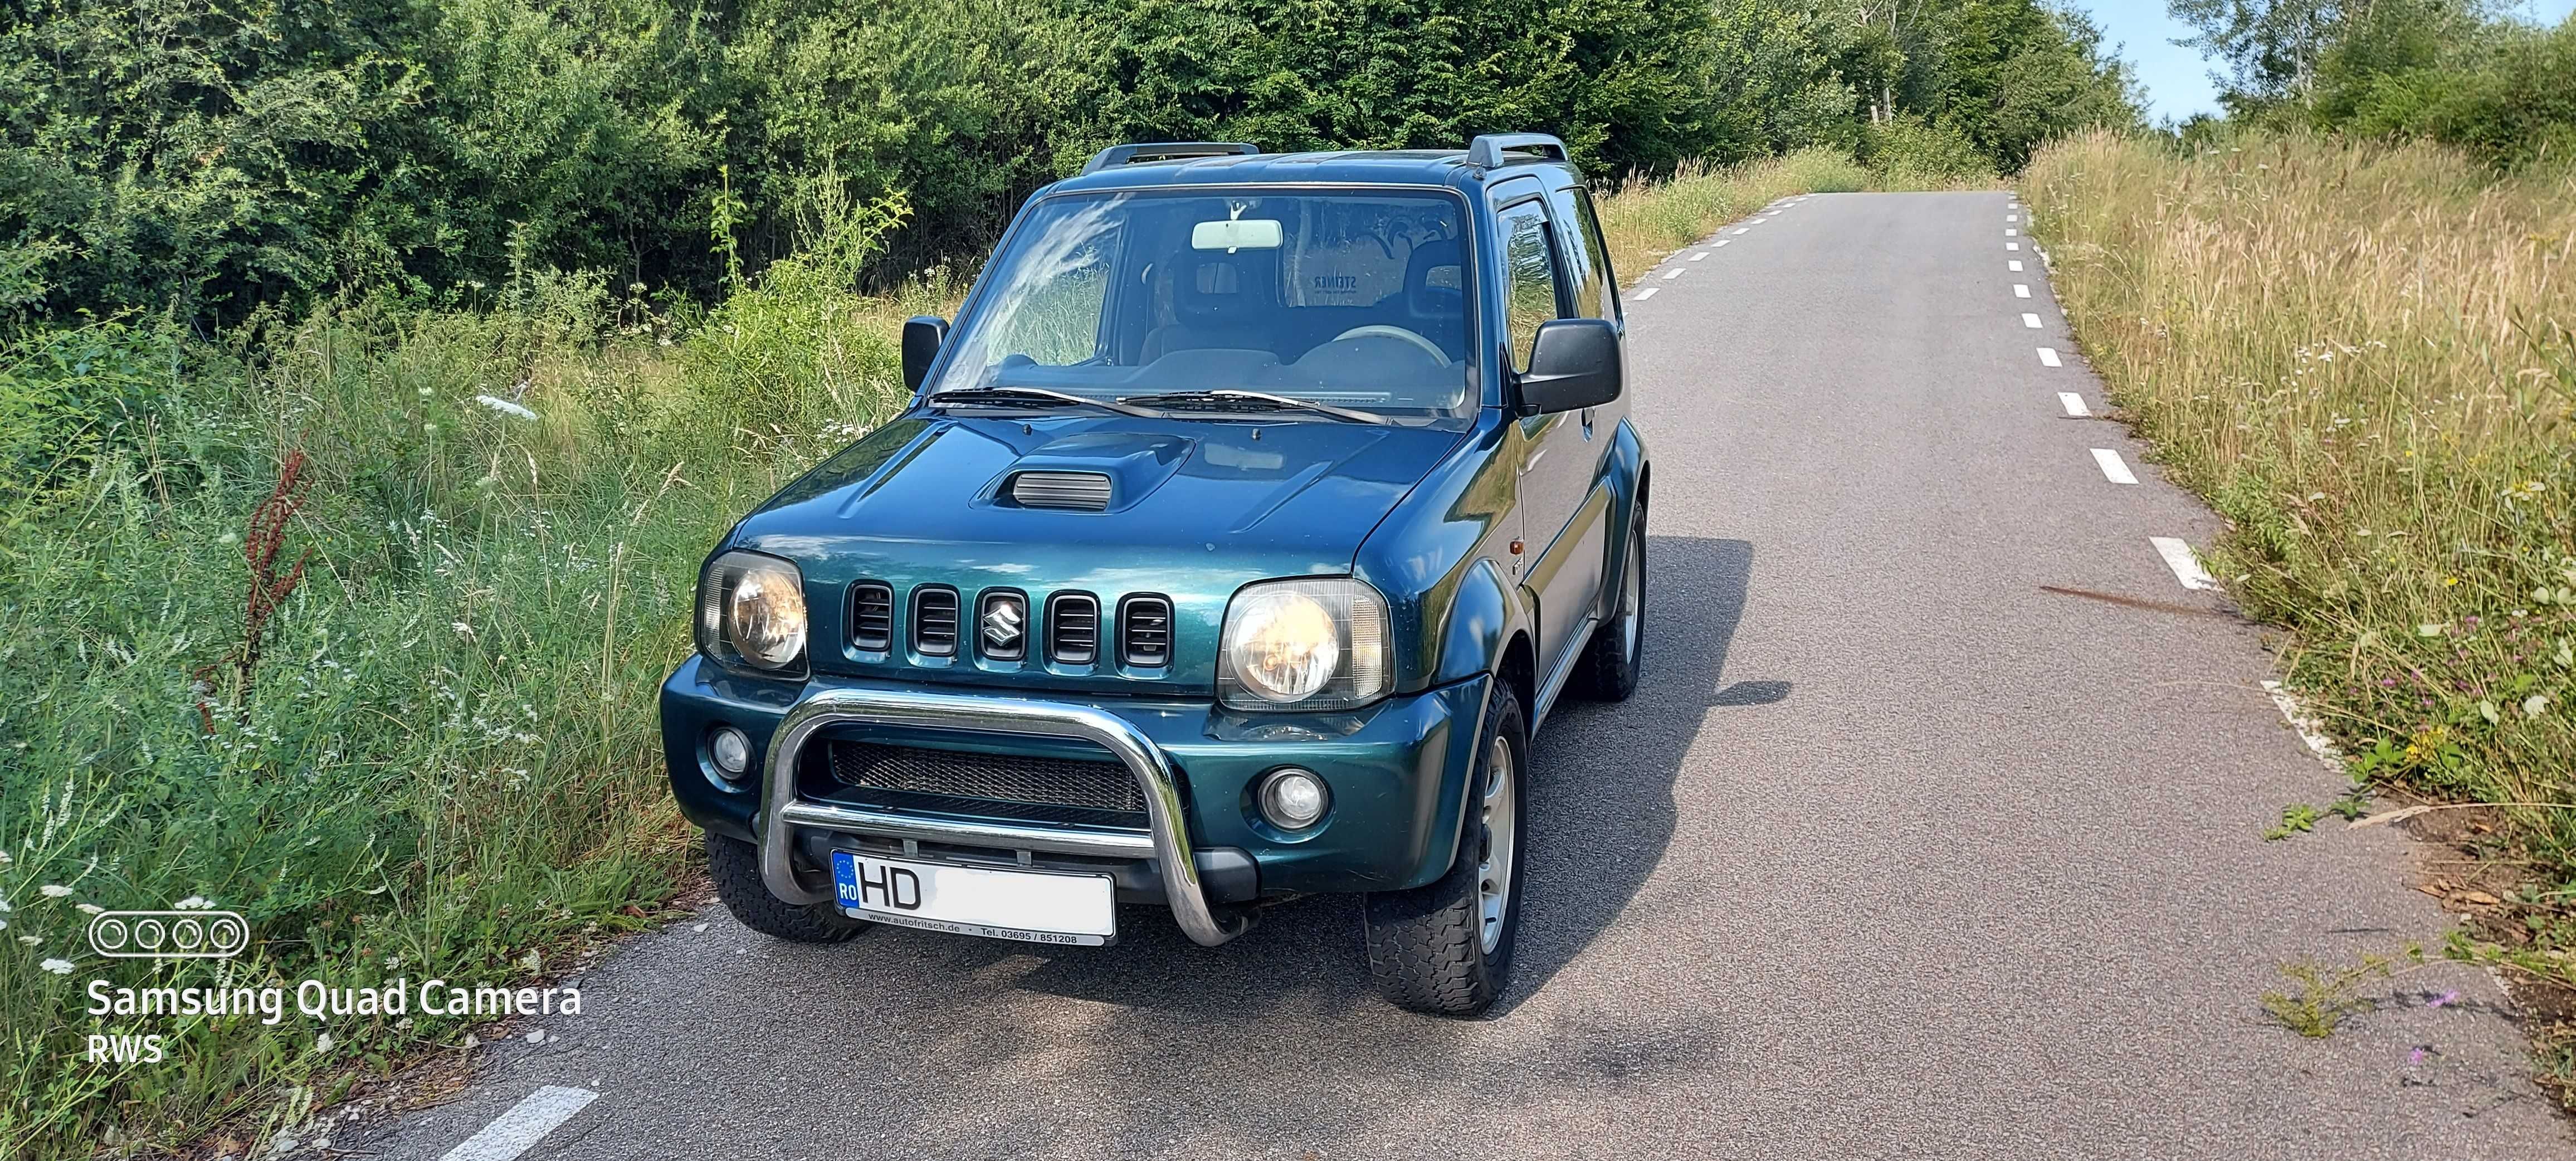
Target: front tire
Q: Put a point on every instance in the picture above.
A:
(735, 867)
(1446, 949)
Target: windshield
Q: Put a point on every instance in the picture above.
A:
(1353, 300)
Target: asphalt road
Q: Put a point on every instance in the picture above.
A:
(1895, 853)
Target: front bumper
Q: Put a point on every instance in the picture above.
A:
(1396, 770)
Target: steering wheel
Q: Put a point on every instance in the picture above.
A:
(1383, 331)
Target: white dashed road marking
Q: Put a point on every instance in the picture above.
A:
(1744, 229)
(2030, 320)
(2015, 263)
(2186, 566)
(2073, 403)
(2307, 726)
(2012, 217)
(2009, 232)
(1700, 255)
(1674, 273)
(2048, 357)
(1645, 294)
(2012, 245)
(2021, 290)
(1723, 241)
(2114, 468)
(524, 1125)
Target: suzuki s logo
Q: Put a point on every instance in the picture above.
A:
(1003, 624)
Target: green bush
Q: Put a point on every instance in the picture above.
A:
(1910, 152)
(197, 160)
(441, 752)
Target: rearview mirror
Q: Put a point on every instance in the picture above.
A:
(922, 335)
(1574, 364)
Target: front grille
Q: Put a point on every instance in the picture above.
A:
(1079, 491)
(1073, 628)
(1145, 630)
(872, 616)
(1098, 792)
(934, 621)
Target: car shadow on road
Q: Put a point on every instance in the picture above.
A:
(1273, 1045)
(1601, 817)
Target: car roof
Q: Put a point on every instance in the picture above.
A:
(1414, 167)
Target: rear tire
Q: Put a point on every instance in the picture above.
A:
(735, 867)
(1608, 668)
(1443, 949)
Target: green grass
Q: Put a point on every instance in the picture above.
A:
(2360, 355)
(445, 757)
(1645, 220)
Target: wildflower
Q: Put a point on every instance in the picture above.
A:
(2444, 1000)
(53, 890)
(192, 903)
(2432, 629)
(424, 392)
(31, 940)
(2448, 581)
(60, 967)
(2534, 705)
(91, 908)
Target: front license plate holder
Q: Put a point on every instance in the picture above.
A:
(1066, 908)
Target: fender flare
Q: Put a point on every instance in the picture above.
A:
(1484, 612)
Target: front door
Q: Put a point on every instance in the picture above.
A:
(1563, 516)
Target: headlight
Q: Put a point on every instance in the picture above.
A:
(1304, 644)
(751, 611)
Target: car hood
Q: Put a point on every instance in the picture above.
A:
(1195, 510)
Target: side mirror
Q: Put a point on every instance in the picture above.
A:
(1574, 364)
(922, 335)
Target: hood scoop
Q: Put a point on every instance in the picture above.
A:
(1091, 471)
(1077, 491)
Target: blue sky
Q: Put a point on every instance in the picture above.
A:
(2177, 79)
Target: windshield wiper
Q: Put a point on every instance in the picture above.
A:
(1257, 398)
(1009, 395)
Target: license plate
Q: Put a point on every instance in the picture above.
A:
(997, 903)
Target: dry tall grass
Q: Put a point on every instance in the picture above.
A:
(1645, 220)
(2361, 355)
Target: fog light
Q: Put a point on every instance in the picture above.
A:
(731, 750)
(1294, 799)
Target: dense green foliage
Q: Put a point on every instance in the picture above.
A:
(201, 158)
(2442, 70)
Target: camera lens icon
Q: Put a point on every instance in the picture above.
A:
(169, 934)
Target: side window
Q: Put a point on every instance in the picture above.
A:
(1529, 266)
(1599, 296)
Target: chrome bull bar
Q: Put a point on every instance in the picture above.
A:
(1166, 841)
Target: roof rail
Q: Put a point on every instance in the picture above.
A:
(1488, 150)
(1165, 151)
